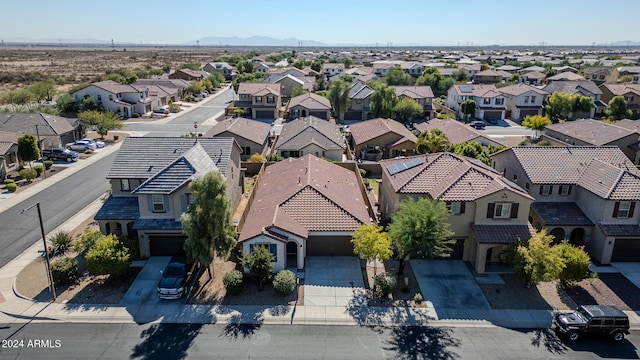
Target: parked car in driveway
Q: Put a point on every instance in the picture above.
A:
(60, 154)
(478, 124)
(81, 145)
(99, 144)
(173, 283)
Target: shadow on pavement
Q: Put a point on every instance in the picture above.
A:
(166, 341)
(550, 341)
(411, 342)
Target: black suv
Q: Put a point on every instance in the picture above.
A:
(173, 283)
(593, 320)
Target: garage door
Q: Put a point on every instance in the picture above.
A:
(457, 250)
(262, 114)
(319, 114)
(166, 245)
(626, 250)
(525, 113)
(492, 115)
(329, 246)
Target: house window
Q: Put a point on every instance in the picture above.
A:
(124, 185)
(456, 207)
(110, 97)
(296, 112)
(564, 190)
(601, 77)
(271, 100)
(526, 99)
(546, 189)
(515, 177)
(258, 99)
(158, 203)
(594, 76)
(486, 101)
(99, 97)
(246, 150)
(636, 78)
(628, 98)
(502, 211)
(533, 99)
(273, 249)
(623, 209)
(526, 186)
(499, 101)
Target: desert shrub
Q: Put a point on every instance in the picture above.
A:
(543, 143)
(108, 257)
(260, 263)
(576, 263)
(233, 281)
(11, 187)
(48, 164)
(385, 283)
(65, 271)
(28, 174)
(274, 157)
(284, 282)
(60, 243)
(417, 298)
(256, 158)
(8, 181)
(174, 108)
(443, 116)
(132, 245)
(87, 240)
(39, 169)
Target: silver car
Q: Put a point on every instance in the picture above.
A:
(99, 144)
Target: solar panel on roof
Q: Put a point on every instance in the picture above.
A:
(403, 165)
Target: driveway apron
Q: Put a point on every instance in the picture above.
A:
(331, 281)
(143, 291)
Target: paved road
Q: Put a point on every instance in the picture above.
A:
(172, 341)
(58, 203)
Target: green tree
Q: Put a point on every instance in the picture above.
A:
(474, 149)
(468, 108)
(372, 244)
(460, 76)
(432, 141)
(196, 87)
(339, 96)
(536, 122)
(540, 261)
(260, 263)
(28, 148)
(576, 262)
(407, 109)
(383, 100)
(617, 108)
(298, 64)
(65, 103)
(316, 65)
(438, 83)
(20, 98)
(102, 122)
(207, 224)
(347, 63)
(245, 67)
(108, 256)
(42, 90)
(243, 78)
(190, 66)
(558, 106)
(582, 103)
(216, 79)
(397, 76)
(297, 91)
(418, 228)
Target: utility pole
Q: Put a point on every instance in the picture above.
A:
(52, 286)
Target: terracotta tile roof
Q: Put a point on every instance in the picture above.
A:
(447, 177)
(5, 146)
(502, 234)
(631, 230)
(302, 132)
(258, 88)
(622, 89)
(414, 92)
(306, 194)
(521, 88)
(561, 214)
(311, 101)
(455, 131)
(565, 76)
(563, 164)
(252, 130)
(488, 72)
(593, 132)
(368, 130)
(534, 75)
(114, 87)
(611, 182)
(477, 90)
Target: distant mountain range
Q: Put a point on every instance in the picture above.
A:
(254, 41)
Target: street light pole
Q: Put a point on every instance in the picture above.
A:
(52, 286)
(44, 167)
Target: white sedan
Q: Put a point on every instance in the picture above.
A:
(99, 144)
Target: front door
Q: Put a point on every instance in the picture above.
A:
(292, 255)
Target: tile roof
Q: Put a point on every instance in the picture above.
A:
(502, 234)
(370, 129)
(414, 92)
(565, 76)
(584, 87)
(611, 182)
(534, 75)
(119, 208)
(305, 194)
(631, 230)
(593, 132)
(448, 177)
(561, 214)
(563, 164)
(115, 88)
(455, 131)
(193, 163)
(143, 157)
(622, 89)
(311, 101)
(629, 124)
(521, 88)
(252, 130)
(5, 146)
(167, 83)
(488, 72)
(360, 90)
(259, 88)
(301, 132)
(477, 90)
(156, 224)
(25, 123)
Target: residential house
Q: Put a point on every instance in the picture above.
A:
(8, 153)
(189, 75)
(177, 88)
(630, 93)
(261, 67)
(150, 179)
(533, 68)
(601, 74)
(470, 69)
(580, 87)
(381, 139)
(381, 68)
(51, 130)
(633, 71)
(589, 132)
(360, 102)
(490, 103)
(259, 100)
(561, 69)
(310, 135)
(533, 78)
(288, 84)
(223, 68)
(456, 132)
(565, 76)
(487, 212)
(509, 68)
(585, 194)
(305, 207)
(332, 69)
(523, 100)
(124, 100)
(487, 77)
(251, 135)
(413, 68)
(309, 104)
(423, 95)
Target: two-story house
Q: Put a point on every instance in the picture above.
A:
(333, 69)
(533, 77)
(487, 212)
(601, 74)
(251, 135)
(305, 207)
(490, 103)
(523, 100)
(630, 93)
(188, 74)
(309, 104)
(379, 138)
(150, 179)
(423, 95)
(124, 100)
(359, 102)
(177, 88)
(51, 130)
(585, 194)
(223, 68)
(583, 88)
(487, 77)
(566, 76)
(310, 135)
(259, 100)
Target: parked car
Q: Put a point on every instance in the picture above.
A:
(161, 111)
(173, 283)
(595, 320)
(99, 144)
(478, 124)
(81, 145)
(60, 154)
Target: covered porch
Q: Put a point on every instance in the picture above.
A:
(491, 240)
(563, 220)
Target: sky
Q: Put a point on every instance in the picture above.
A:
(383, 22)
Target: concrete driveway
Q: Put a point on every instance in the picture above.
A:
(630, 270)
(143, 291)
(331, 281)
(448, 284)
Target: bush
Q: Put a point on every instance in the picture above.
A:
(443, 116)
(363, 173)
(65, 271)
(285, 282)
(39, 169)
(108, 257)
(576, 263)
(11, 187)
(274, 157)
(174, 108)
(233, 282)
(116, 137)
(87, 240)
(385, 283)
(132, 245)
(259, 263)
(60, 243)
(28, 174)
(417, 298)
(8, 181)
(543, 143)
(48, 164)
(256, 158)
